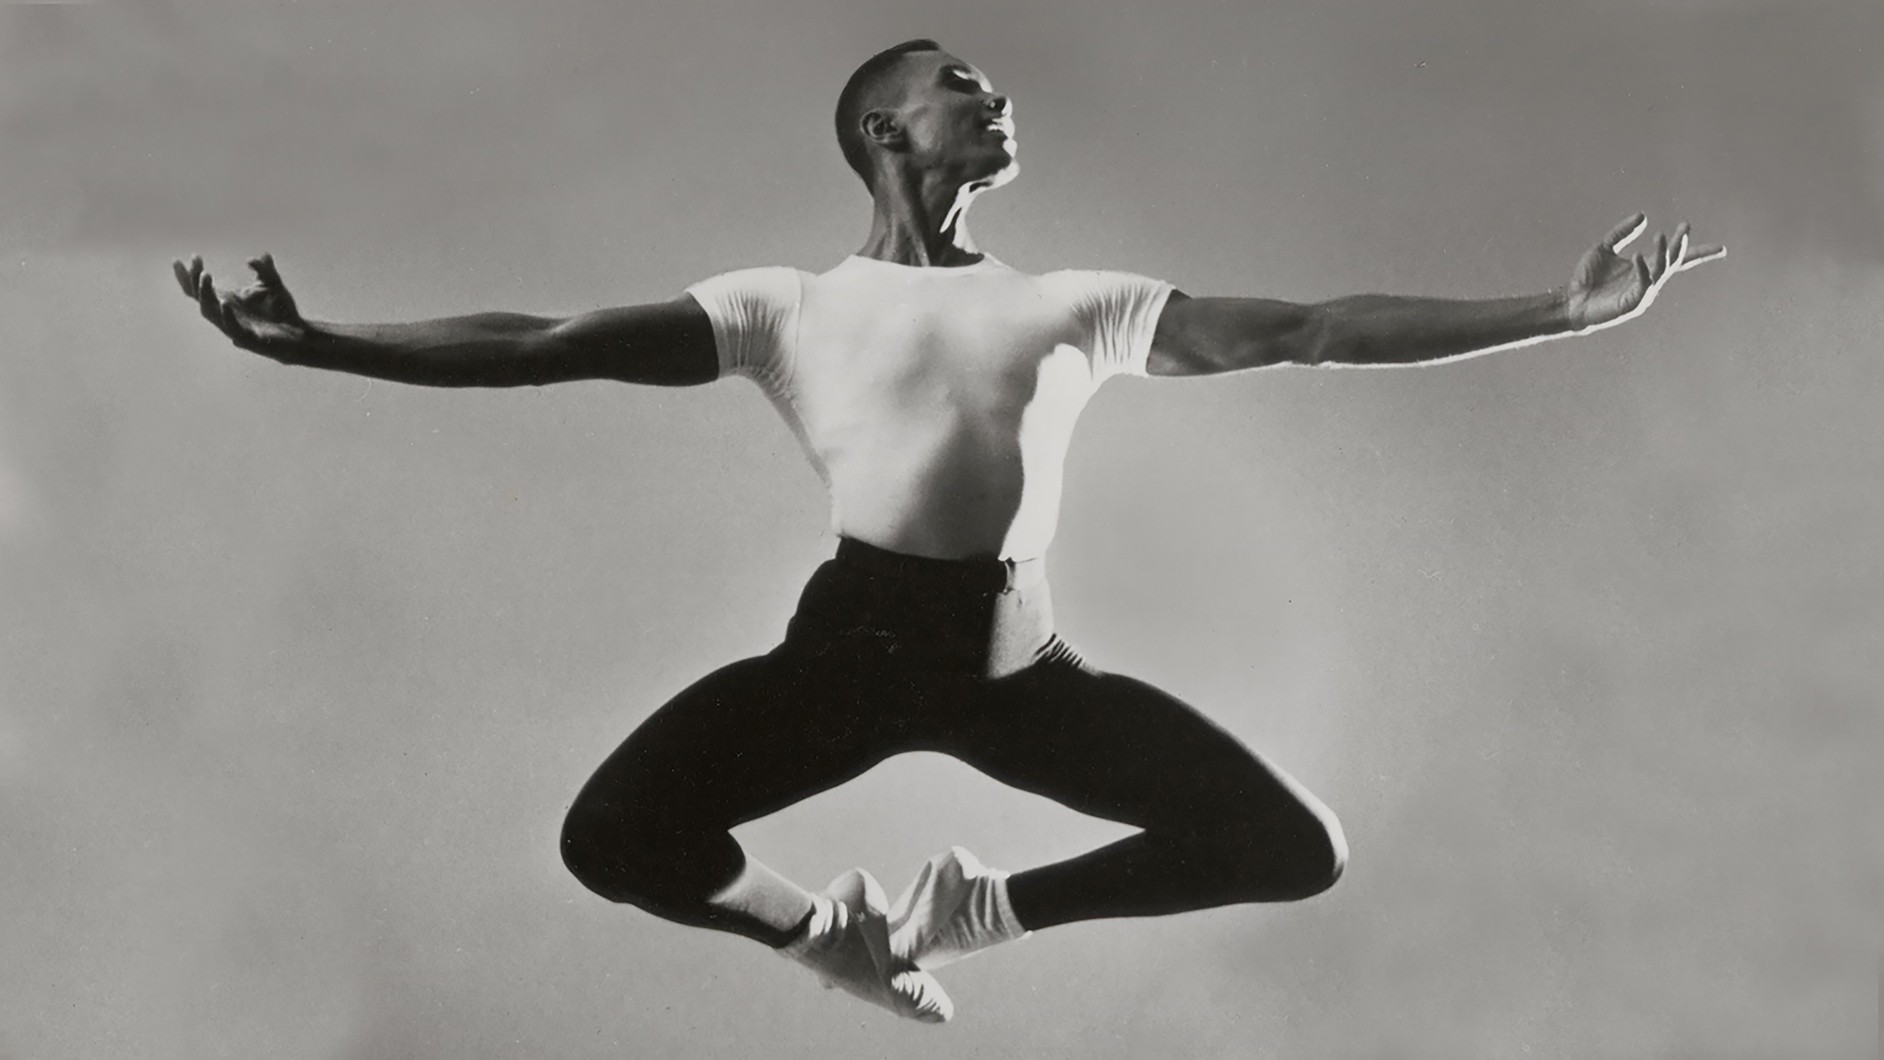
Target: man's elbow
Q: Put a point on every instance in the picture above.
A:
(1323, 339)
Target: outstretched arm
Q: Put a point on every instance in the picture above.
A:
(666, 343)
(1206, 336)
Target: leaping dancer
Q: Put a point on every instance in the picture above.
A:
(935, 390)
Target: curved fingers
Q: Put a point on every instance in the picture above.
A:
(1623, 234)
(220, 310)
(1701, 256)
(232, 327)
(225, 310)
(1684, 254)
(265, 270)
(188, 276)
(206, 299)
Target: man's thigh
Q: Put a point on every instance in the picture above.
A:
(1119, 748)
(750, 739)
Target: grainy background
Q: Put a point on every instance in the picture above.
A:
(299, 671)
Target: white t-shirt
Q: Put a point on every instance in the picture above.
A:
(936, 403)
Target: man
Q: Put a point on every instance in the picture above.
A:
(935, 389)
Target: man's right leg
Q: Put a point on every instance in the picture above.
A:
(652, 826)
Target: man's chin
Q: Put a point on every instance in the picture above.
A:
(993, 176)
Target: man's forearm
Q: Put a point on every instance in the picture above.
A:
(485, 349)
(1373, 329)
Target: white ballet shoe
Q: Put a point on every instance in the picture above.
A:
(956, 908)
(847, 945)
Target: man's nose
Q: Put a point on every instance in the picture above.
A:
(1002, 106)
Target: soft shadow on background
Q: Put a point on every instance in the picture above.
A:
(299, 671)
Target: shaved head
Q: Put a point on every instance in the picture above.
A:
(860, 96)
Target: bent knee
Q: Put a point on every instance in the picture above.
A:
(1327, 861)
(645, 859)
(609, 853)
(592, 852)
(1285, 857)
(1321, 848)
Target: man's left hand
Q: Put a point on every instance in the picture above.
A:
(1609, 288)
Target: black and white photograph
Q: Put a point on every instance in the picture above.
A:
(1280, 530)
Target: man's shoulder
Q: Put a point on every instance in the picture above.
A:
(778, 284)
(756, 274)
(1100, 275)
(1105, 285)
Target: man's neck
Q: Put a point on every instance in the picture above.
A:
(921, 222)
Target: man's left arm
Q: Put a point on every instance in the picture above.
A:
(1207, 336)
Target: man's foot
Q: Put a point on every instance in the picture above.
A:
(847, 944)
(956, 907)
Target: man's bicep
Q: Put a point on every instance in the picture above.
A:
(1207, 336)
(660, 344)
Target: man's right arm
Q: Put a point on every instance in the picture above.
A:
(663, 344)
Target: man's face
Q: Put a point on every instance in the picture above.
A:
(955, 121)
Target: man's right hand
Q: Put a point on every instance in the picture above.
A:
(260, 317)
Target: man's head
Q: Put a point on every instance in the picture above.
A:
(917, 103)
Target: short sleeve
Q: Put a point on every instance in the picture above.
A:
(1119, 311)
(755, 319)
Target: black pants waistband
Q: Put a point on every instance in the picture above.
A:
(979, 575)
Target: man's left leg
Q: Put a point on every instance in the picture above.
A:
(1221, 825)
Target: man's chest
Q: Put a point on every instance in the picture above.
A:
(964, 349)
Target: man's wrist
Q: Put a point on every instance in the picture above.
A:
(1560, 317)
(301, 346)
(1557, 311)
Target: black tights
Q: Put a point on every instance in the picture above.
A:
(890, 653)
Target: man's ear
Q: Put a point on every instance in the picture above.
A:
(880, 127)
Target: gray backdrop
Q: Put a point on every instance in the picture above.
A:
(299, 670)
